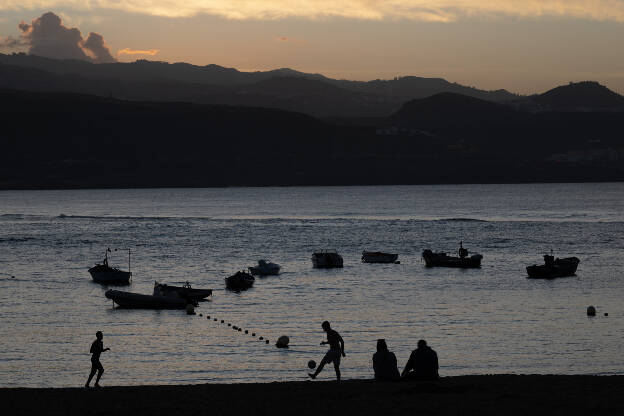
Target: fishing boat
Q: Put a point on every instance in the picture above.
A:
(441, 259)
(139, 301)
(239, 281)
(103, 273)
(184, 291)
(265, 268)
(325, 259)
(379, 257)
(553, 267)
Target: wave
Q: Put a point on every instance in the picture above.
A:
(460, 220)
(130, 217)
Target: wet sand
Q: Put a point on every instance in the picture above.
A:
(466, 395)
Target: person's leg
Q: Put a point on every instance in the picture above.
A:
(337, 368)
(99, 375)
(93, 370)
(319, 368)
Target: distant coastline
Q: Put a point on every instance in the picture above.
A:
(483, 395)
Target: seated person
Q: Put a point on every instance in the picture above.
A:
(385, 363)
(422, 364)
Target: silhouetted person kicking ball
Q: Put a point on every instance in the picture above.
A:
(422, 364)
(385, 363)
(97, 348)
(336, 350)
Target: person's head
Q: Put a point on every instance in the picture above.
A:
(326, 326)
(422, 343)
(99, 335)
(381, 345)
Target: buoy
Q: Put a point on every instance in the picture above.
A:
(222, 321)
(267, 341)
(190, 310)
(606, 314)
(207, 316)
(235, 327)
(201, 314)
(282, 342)
(591, 311)
(261, 338)
(229, 324)
(239, 330)
(246, 331)
(311, 364)
(253, 334)
(215, 319)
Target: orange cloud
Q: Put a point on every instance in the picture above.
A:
(128, 51)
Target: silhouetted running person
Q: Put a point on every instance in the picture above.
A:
(422, 364)
(385, 363)
(336, 350)
(97, 348)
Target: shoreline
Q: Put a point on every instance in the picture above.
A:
(480, 394)
(5, 187)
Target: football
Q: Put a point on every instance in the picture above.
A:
(311, 364)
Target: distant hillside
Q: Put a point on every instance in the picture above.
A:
(282, 88)
(449, 109)
(52, 140)
(585, 95)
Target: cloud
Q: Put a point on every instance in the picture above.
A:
(47, 36)
(128, 51)
(11, 43)
(423, 10)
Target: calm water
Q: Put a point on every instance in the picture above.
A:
(491, 320)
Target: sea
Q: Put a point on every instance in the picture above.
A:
(490, 320)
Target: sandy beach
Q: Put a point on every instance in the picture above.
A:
(466, 395)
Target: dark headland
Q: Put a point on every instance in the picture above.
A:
(74, 124)
(466, 395)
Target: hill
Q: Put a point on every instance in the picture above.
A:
(61, 140)
(580, 96)
(212, 84)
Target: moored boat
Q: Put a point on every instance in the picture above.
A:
(184, 291)
(325, 259)
(139, 301)
(553, 267)
(103, 273)
(441, 259)
(379, 257)
(239, 281)
(265, 268)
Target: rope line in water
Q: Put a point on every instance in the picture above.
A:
(236, 328)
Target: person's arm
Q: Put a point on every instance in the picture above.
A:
(106, 349)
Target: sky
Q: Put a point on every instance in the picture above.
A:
(525, 46)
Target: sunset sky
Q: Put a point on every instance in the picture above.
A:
(524, 46)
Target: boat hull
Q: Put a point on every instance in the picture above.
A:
(560, 268)
(265, 271)
(239, 281)
(378, 257)
(131, 300)
(111, 277)
(184, 292)
(442, 260)
(326, 260)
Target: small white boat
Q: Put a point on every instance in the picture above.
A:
(265, 268)
(379, 257)
(103, 273)
(325, 259)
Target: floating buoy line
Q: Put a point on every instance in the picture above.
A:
(236, 328)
